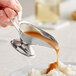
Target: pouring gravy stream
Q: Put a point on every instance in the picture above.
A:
(51, 43)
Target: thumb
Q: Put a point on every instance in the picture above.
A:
(13, 4)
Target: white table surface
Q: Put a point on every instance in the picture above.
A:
(11, 60)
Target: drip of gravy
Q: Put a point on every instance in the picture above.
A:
(51, 43)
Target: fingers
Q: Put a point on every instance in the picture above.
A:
(10, 13)
(5, 15)
(7, 8)
(3, 19)
(13, 4)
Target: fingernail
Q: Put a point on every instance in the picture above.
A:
(18, 6)
(7, 12)
(10, 13)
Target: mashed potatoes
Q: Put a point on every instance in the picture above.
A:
(62, 70)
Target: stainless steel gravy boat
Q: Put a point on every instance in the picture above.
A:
(23, 44)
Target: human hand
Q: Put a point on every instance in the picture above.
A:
(7, 10)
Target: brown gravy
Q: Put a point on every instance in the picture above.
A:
(51, 43)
